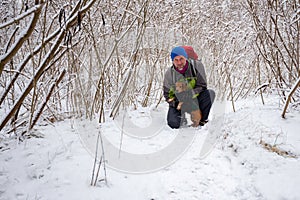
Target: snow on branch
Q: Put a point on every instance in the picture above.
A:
(21, 16)
(264, 85)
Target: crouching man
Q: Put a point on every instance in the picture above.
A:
(185, 89)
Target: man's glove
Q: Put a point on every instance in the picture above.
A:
(173, 102)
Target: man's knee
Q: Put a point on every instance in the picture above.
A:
(173, 124)
(212, 95)
(206, 98)
(174, 118)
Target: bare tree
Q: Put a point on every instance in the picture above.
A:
(58, 37)
(115, 53)
(277, 27)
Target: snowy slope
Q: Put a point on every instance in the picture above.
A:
(223, 160)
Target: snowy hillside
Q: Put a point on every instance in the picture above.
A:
(239, 165)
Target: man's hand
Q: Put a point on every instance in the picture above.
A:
(172, 102)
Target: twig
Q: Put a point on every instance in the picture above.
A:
(95, 161)
(122, 133)
(294, 88)
(99, 166)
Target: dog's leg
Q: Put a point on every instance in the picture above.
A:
(196, 117)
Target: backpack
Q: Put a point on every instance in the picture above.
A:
(190, 52)
(196, 64)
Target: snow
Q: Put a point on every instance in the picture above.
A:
(222, 160)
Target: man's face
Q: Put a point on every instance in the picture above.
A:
(179, 62)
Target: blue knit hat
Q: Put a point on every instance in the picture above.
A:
(178, 51)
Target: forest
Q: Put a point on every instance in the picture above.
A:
(63, 59)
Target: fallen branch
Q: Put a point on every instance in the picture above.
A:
(275, 149)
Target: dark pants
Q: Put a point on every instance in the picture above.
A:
(205, 100)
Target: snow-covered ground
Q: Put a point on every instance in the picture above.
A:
(234, 166)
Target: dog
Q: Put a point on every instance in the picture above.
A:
(196, 115)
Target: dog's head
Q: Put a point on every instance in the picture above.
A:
(181, 86)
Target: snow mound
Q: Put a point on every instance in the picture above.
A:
(223, 160)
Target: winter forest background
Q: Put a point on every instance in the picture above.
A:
(80, 58)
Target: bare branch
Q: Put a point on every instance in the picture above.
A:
(22, 38)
